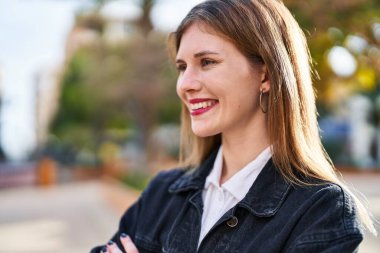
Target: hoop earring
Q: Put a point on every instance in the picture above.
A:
(261, 105)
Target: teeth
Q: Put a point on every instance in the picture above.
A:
(200, 105)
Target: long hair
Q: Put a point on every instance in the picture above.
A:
(265, 31)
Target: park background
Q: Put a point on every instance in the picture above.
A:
(89, 113)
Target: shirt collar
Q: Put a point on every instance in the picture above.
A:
(263, 199)
(216, 172)
(240, 183)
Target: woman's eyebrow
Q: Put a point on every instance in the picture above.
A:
(179, 61)
(203, 53)
(199, 54)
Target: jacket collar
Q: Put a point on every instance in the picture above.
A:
(194, 179)
(263, 199)
(267, 193)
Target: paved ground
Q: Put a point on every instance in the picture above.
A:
(68, 218)
(76, 216)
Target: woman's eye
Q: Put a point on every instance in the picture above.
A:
(181, 67)
(207, 62)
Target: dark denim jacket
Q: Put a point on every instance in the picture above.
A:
(273, 217)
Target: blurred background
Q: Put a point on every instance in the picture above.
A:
(89, 113)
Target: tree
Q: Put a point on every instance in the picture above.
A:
(125, 86)
(332, 26)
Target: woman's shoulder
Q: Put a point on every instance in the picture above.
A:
(326, 192)
(327, 217)
(169, 176)
(330, 202)
(164, 179)
(323, 189)
(173, 180)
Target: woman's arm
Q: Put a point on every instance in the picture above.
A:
(330, 225)
(139, 217)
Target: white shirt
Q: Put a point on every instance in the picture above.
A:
(218, 199)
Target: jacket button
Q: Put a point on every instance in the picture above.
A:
(232, 222)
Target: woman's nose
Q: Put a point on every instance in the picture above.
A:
(189, 81)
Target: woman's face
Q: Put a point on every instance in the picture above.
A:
(217, 83)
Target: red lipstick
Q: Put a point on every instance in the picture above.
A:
(199, 106)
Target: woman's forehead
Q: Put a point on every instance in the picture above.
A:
(198, 37)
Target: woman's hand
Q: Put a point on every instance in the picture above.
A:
(127, 243)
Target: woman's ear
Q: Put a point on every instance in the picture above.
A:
(265, 82)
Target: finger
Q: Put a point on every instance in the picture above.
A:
(128, 245)
(113, 248)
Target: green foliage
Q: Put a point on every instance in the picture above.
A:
(86, 99)
(137, 180)
(116, 86)
(328, 23)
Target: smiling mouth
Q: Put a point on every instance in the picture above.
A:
(199, 107)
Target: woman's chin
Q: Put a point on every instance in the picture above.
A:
(203, 133)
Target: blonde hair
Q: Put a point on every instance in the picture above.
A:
(266, 33)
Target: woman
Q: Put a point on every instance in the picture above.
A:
(256, 177)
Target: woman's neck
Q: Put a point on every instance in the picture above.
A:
(241, 149)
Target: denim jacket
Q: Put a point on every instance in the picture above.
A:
(275, 216)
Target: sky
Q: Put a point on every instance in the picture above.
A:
(32, 38)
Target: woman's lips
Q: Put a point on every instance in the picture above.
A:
(199, 106)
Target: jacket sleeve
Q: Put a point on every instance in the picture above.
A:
(134, 216)
(329, 225)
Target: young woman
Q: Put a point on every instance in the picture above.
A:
(255, 176)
